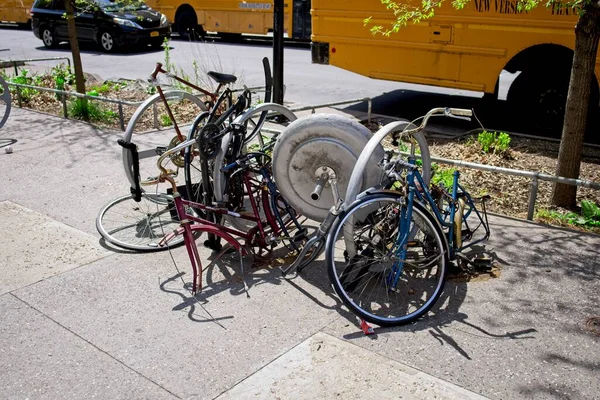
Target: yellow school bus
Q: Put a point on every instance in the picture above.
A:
(462, 49)
(234, 17)
(15, 11)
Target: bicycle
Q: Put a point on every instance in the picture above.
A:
(316, 243)
(388, 253)
(5, 102)
(267, 199)
(135, 224)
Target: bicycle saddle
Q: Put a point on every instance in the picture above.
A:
(222, 78)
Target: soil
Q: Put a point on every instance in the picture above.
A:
(510, 194)
(135, 91)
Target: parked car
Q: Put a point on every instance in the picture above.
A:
(109, 23)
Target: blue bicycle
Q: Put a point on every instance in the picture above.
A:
(389, 252)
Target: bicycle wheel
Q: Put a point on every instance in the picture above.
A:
(193, 167)
(5, 104)
(151, 129)
(138, 226)
(363, 260)
(422, 148)
(219, 179)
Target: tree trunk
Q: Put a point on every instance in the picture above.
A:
(587, 34)
(79, 79)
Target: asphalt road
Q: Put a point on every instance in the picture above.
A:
(305, 82)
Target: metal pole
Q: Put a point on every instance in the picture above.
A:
(64, 104)
(155, 115)
(278, 51)
(121, 119)
(19, 98)
(532, 198)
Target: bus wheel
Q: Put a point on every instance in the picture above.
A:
(537, 101)
(186, 25)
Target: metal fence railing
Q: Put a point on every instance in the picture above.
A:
(534, 176)
(65, 94)
(16, 63)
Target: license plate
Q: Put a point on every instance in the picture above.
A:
(153, 34)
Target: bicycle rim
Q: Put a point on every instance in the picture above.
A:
(5, 102)
(151, 129)
(363, 261)
(128, 224)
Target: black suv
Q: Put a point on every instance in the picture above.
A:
(109, 23)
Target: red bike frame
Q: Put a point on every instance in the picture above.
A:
(191, 223)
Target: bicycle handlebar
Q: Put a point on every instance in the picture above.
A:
(158, 68)
(460, 113)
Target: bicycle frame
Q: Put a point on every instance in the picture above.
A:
(191, 223)
(159, 69)
(424, 196)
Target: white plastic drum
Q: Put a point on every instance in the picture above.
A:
(318, 143)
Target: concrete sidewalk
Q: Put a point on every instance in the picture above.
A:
(79, 320)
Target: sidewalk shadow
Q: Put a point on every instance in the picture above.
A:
(5, 142)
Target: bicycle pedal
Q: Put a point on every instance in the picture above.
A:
(300, 236)
(483, 263)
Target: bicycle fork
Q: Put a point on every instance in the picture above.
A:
(404, 230)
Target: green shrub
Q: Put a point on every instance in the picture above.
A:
(443, 177)
(494, 142)
(165, 120)
(590, 210)
(62, 75)
(88, 110)
(589, 217)
(24, 78)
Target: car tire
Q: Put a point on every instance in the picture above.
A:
(107, 43)
(48, 38)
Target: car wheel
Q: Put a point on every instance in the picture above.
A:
(48, 38)
(107, 41)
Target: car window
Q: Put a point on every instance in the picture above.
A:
(121, 4)
(43, 4)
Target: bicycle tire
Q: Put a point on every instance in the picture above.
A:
(220, 160)
(149, 144)
(365, 291)
(5, 102)
(193, 169)
(354, 186)
(128, 224)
